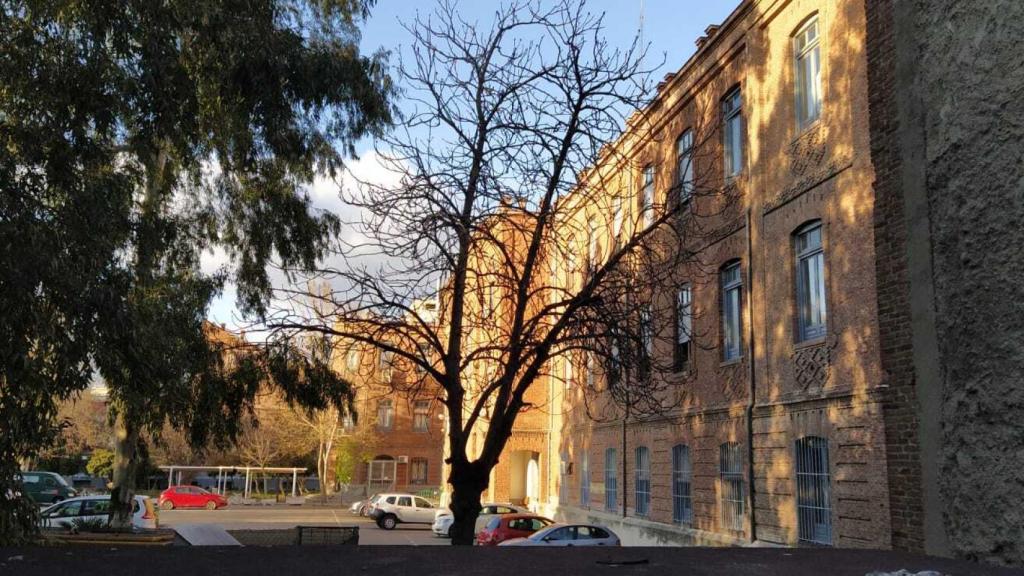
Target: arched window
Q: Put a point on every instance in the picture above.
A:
(646, 352)
(732, 132)
(684, 328)
(611, 481)
(813, 491)
(810, 282)
(682, 505)
(807, 56)
(684, 165)
(733, 492)
(732, 311)
(647, 197)
(642, 483)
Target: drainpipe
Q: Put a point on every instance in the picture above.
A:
(750, 375)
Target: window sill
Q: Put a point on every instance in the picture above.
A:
(730, 362)
(806, 128)
(810, 343)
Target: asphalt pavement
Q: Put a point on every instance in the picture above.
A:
(275, 517)
(470, 561)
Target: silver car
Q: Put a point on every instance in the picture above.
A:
(443, 518)
(97, 509)
(568, 535)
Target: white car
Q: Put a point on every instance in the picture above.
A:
(568, 535)
(97, 509)
(390, 510)
(443, 519)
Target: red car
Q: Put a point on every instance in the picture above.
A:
(190, 497)
(505, 526)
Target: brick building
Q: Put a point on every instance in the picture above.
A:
(399, 429)
(826, 392)
(780, 436)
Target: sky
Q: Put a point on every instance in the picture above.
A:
(669, 27)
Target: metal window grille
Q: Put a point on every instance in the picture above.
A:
(682, 472)
(585, 479)
(611, 481)
(813, 491)
(732, 116)
(381, 476)
(807, 49)
(732, 311)
(733, 496)
(642, 485)
(810, 263)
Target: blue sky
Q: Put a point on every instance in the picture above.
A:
(670, 27)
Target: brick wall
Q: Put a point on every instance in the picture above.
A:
(895, 336)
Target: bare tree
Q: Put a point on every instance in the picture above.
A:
(543, 260)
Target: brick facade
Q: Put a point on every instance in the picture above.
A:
(900, 407)
(831, 387)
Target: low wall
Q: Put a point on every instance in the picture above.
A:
(639, 532)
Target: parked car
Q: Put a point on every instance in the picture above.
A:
(97, 509)
(190, 497)
(567, 535)
(390, 510)
(443, 518)
(46, 487)
(361, 507)
(507, 526)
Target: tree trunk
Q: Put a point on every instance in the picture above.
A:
(126, 438)
(466, 490)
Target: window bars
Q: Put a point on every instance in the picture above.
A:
(813, 491)
(584, 480)
(642, 485)
(682, 472)
(733, 496)
(611, 481)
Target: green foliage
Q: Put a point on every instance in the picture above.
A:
(101, 463)
(351, 453)
(134, 136)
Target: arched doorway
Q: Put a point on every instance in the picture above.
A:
(524, 483)
(381, 474)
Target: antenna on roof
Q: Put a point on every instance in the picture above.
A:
(641, 31)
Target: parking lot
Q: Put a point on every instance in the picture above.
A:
(262, 518)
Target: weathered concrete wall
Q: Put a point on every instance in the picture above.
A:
(960, 80)
(972, 84)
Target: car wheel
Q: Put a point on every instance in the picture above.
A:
(388, 522)
(167, 505)
(211, 505)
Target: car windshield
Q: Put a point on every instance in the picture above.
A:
(61, 480)
(494, 523)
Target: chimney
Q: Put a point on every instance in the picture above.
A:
(664, 81)
(709, 33)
